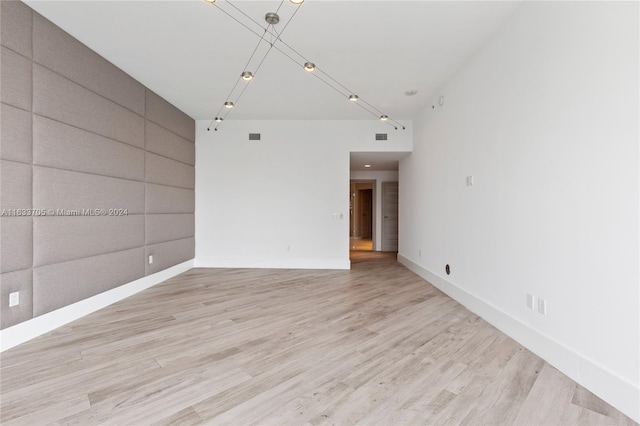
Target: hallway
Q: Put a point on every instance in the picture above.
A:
(358, 244)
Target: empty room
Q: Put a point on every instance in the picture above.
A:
(319, 212)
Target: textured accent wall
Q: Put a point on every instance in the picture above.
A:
(79, 133)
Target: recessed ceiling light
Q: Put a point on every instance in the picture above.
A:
(228, 104)
(210, 1)
(297, 1)
(218, 119)
(384, 117)
(353, 98)
(366, 166)
(411, 92)
(309, 66)
(246, 75)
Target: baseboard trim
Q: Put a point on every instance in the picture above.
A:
(607, 385)
(20, 333)
(266, 263)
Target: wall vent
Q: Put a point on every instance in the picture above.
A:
(254, 136)
(381, 136)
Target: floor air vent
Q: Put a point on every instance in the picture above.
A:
(381, 136)
(254, 136)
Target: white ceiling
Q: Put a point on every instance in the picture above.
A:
(379, 161)
(192, 54)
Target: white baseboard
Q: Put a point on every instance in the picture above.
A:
(274, 263)
(607, 385)
(20, 333)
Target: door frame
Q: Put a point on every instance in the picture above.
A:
(374, 202)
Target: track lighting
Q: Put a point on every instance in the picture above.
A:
(272, 18)
(274, 38)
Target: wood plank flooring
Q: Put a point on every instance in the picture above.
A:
(374, 345)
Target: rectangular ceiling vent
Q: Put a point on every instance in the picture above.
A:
(381, 136)
(254, 136)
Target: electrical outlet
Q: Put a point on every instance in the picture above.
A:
(150, 259)
(531, 301)
(542, 306)
(14, 299)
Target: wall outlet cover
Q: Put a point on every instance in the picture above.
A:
(542, 306)
(530, 301)
(14, 299)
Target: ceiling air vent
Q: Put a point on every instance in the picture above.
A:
(254, 136)
(381, 136)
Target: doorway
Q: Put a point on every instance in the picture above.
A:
(361, 215)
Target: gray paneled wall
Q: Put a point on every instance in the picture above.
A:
(79, 133)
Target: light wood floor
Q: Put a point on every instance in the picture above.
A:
(375, 345)
(360, 244)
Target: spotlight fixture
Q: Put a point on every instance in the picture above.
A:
(274, 39)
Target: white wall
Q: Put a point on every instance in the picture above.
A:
(545, 117)
(271, 203)
(379, 177)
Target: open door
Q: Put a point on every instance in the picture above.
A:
(390, 216)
